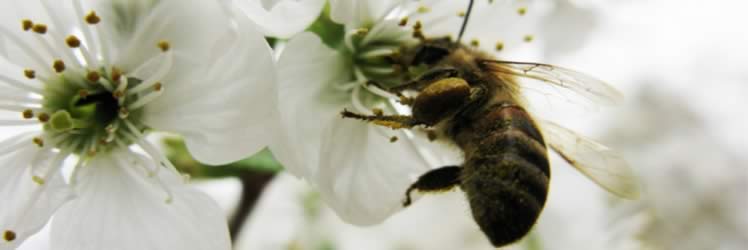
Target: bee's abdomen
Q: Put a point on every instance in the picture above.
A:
(507, 173)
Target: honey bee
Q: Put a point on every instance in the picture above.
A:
(475, 102)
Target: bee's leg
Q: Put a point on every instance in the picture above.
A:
(390, 121)
(425, 80)
(437, 180)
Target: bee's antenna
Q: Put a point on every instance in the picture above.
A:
(464, 23)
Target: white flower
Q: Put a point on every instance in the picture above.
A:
(86, 81)
(281, 18)
(363, 170)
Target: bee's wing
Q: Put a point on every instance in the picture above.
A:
(596, 161)
(593, 89)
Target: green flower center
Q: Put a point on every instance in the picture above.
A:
(93, 112)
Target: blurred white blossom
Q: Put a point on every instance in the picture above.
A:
(280, 18)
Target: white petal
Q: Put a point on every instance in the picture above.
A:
(308, 102)
(137, 26)
(225, 108)
(363, 176)
(26, 205)
(356, 13)
(120, 208)
(281, 18)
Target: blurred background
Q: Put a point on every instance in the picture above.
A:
(683, 66)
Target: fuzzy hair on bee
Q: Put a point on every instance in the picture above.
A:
(474, 101)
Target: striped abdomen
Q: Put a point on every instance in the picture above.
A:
(506, 172)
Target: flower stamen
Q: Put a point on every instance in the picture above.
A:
(9, 235)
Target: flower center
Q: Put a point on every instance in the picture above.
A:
(93, 112)
(88, 105)
(373, 52)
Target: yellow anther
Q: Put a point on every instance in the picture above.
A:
(27, 24)
(39, 28)
(431, 135)
(9, 235)
(362, 32)
(158, 86)
(164, 46)
(38, 141)
(522, 11)
(529, 38)
(393, 139)
(116, 74)
(423, 9)
(418, 25)
(59, 66)
(29, 73)
(92, 18)
(461, 13)
(43, 117)
(123, 113)
(93, 76)
(475, 43)
(38, 180)
(83, 93)
(73, 42)
(499, 46)
(118, 94)
(403, 21)
(28, 114)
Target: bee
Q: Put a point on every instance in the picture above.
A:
(475, 102)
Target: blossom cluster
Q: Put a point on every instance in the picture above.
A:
(84, 83)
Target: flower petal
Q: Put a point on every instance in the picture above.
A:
(308, 102)
(224, 109)
(27, 205)
(356, 13)
(363, 176)
(281, 18)
(121, 208)
(137, 26)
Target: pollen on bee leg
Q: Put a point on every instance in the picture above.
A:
(29, 73)
(59, 66)
(92, 18)
(9, 235)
